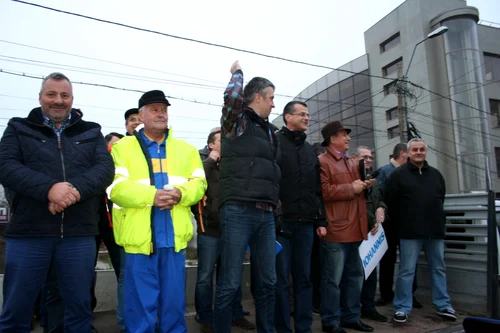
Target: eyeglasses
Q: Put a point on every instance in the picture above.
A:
(368, 157)
(302, 114)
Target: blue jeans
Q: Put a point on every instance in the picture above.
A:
(243, 225)
(27, 263)
(155, 289)
(341, 282)
(295, 257)
(52, 303)
(119, 292)
(434, 253)
(208, 252)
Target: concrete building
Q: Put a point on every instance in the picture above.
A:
(452, 92)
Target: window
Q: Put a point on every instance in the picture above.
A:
(391, 114)
(390, 88)
(390, 43)
(392, 67)
(497, 156)
(491, 67)
(495, 112)
(393, 132)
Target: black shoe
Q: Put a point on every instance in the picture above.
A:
(358, 326)
(94, 330)
(332, 329)
(246, 313)
(375, 316)
(243, 324)
(416, 304)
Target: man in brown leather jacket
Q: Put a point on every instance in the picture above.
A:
(345, 209)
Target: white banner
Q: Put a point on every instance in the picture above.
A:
(372, 250)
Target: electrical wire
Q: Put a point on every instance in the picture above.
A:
(195, 40)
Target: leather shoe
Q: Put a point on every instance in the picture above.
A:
(333, 329)
(358, 326)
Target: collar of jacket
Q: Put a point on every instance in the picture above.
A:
(168, 134)
(414, 167)
(36, 116)
(394, 163)
(332, 151)
(296, 137)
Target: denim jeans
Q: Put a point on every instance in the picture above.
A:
(27, 263)
(368, 293)
(434, 253)
(53, 303)
(208, 252)
(295, 257)
(341, 282)
(243, 225)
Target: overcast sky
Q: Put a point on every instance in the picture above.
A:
(327, 32)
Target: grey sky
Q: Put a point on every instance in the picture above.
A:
(327, 32)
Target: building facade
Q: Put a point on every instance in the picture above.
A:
(450, 95)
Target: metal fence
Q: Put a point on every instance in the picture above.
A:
(466, 252)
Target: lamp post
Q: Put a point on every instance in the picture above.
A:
(403, 112)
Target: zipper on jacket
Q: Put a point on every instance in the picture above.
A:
(59, 147)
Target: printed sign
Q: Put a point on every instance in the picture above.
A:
(372, 250)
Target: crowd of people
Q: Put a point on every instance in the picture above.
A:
(300, 209)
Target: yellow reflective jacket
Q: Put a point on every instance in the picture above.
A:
(133, 193)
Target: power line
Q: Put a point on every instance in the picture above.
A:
(109, 87)
(446, 97)
(105, 61)
(197, 41)
(39, 63)
(151, 79)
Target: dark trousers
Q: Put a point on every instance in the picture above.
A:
(106, 236)
(368, 293)
(27, 265)
(53, 314)
(387, 264)
(316, 272)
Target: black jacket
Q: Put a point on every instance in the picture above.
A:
(206, 212)
(249, 170)
(414, 199)
(31, 162)
(300, 191)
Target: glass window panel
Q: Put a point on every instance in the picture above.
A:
(346, 88)
(392, 67)
(393, 132)
(390, 43)
(348, 107)
(361, 82)
(363, 102)
(495, 112)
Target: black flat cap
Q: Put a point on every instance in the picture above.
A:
(153, 96)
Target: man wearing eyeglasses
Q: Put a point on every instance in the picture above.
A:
(375, 211)
(414, 195)
(302, 215)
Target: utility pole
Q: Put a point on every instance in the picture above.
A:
(400, 89)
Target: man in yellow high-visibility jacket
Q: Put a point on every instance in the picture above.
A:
(157, 179)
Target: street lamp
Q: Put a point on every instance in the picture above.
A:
(403, 112)
(435, 33)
